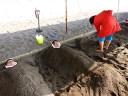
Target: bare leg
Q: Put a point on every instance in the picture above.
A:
(107, 45)
(101, 43)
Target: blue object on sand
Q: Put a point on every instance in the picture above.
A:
(53, 35)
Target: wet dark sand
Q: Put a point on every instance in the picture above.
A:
(73, 70)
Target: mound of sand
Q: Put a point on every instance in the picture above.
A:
(22, 80)
(61, 66)
(71, 70)
(105, 81)
(70, 74)
(73, 77)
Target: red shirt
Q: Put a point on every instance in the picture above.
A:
(106, 24)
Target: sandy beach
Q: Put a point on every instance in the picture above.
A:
(74, 69)
(40, 74)
(17, 38)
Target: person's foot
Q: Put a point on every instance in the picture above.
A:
(105, 47)
(101, 51)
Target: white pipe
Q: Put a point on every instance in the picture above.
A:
(118, 8)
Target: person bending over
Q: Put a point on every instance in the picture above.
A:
(106, 25)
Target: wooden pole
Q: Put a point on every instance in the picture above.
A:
(66, 14)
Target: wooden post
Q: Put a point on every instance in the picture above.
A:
(66, 14)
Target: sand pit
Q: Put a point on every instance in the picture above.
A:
(23, 80)
(73, 70)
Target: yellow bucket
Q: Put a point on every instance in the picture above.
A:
(39, 39)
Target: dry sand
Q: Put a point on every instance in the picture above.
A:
(17, 38)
